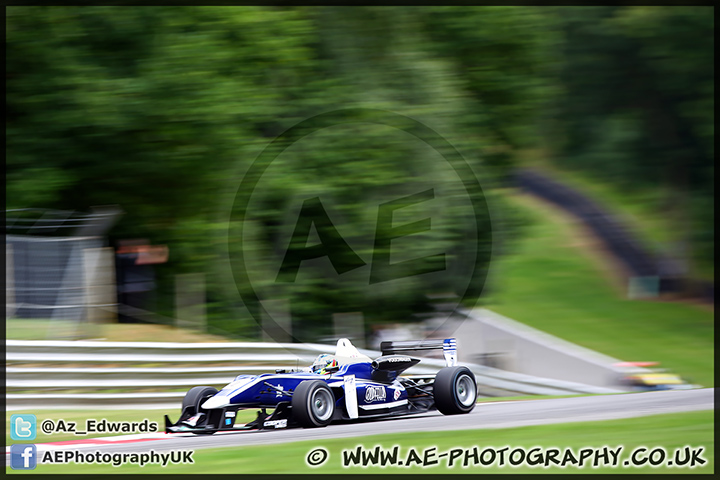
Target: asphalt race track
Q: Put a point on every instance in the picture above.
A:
(485, 415)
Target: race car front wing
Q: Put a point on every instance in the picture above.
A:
(202, 424)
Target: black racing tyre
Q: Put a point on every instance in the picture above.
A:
(313, 404)
(195, 397)
(455, 390)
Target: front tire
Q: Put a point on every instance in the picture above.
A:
(455, 390)
(313, 404)
(195, 397)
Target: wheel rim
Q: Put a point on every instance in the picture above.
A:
(321, 404)
(465, 390)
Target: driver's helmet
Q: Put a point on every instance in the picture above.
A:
(324, 364)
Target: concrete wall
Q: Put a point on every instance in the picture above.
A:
(488, 338)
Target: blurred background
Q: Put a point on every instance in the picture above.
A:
(590, 129)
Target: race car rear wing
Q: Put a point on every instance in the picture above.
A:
(448, 345)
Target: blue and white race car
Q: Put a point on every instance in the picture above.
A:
(345, 386)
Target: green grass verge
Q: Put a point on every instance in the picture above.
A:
(552, 282)
(670, 431)
(45, 329)
(79, 417)
(643, 210)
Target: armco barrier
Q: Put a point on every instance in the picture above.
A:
(618, 239)
(42, 380)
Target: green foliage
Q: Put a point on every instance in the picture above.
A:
(499, 55)
(635, 106)
(162, 111)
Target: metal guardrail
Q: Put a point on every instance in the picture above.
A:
(619, 240)
(248, 357)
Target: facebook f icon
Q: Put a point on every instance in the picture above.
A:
(23, 427)
(23, 457)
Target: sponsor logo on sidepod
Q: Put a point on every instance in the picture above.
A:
(373, 394)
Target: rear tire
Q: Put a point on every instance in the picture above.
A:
(313, 404)
(455, 390)
(195, 397)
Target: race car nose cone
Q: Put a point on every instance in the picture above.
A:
(215, 402)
